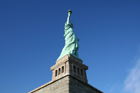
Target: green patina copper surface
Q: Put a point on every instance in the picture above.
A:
(71, 41)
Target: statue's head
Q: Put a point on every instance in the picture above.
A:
(71, 25)
(67, 26)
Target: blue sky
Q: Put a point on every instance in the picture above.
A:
(31, 39)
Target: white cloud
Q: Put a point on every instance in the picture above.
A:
(132, 82)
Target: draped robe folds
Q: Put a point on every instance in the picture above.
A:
(71, 42)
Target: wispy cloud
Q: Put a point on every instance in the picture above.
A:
(132, 81)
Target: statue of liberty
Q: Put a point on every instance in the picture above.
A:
(71, 42)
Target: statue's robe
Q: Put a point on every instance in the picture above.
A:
(71, 42)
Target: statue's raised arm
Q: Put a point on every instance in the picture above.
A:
(68, 19)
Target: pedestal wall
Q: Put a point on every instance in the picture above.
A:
(59, 86)
(69, 76)
(66, 84)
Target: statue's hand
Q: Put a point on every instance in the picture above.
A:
(69, 13)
